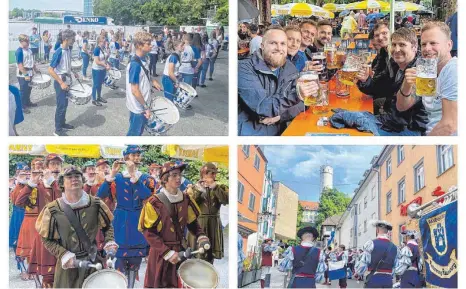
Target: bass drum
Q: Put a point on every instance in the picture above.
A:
(106, 278)
(195, 273)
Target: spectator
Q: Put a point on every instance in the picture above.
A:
(453, 24)
(34, 40)
(46, 39)
(361, 19)
(256, 40)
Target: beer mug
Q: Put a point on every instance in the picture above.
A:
(330, 54)
(350, 69)
(342, 89)
(341, 57)
(309, 76)
(320, 58)
(426, 76)
(321, 107)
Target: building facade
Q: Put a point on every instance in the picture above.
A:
(310, 210)
(88, 8)
(268, 209)
(252, 166)
(286, 213)
(413, 173)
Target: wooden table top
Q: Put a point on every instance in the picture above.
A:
(306, 122)
(361, 37)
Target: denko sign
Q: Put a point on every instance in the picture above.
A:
(85, 20)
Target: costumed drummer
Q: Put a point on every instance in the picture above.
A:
(61, 239)
(171, 74)
(163, 220)
(379, 257)
(60, 70)
(410, 262)
(25, 68)
(268, 247)
(306, 261)
(132, 188)
(210, 196)
(23, 173)
(138, 86)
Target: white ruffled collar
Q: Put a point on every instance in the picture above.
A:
(307, 244)
(173, 198)
(126, 174)
(84, 201)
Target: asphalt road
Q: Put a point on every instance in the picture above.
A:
(221, 266)
(208, 117)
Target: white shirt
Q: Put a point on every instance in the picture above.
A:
(186, 57)
(79, 40)
(28, 62)
(64, 66)
(144, 86)
(113, 50)
(155, 48)
(102, 56)
(255, 44)
(177, 67)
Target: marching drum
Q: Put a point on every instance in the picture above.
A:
(164, 116)
(40, 81)
(106, 278)
(195, 273)
(76, 64)
(184, 95)
(113, 75)
(79, 96)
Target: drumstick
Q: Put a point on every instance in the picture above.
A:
(76, 90)
(41, 77)
(80, 82)
(159, 109)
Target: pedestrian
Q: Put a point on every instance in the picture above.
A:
(87, 214)
(306, 261)
(46, 40)
(256, 39)
(380, 256)
(60, 70)
(411, 262)
(205, 61)
(85, 55)
(267, 248)
(99, 71)
(138, 85)
(163, 220)
(187, 57)
(214, 45)
(132, 188)
(210, 196)
(34, 39)
(275, 256)
(114, 57)
(171, 71)
(198, 58)
(153, 54)
(25, 68)
(79, 41)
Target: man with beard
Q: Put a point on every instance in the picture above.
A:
(267, 86)
(90, 186)
(442, 109)
(411, 122)
(308, 34)
(324, 34)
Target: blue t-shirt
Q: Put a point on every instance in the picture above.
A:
(19, 55)
(299, 60)
(159, 43)
(197, 55)
(172, 59)
(19, 116)
(134, 72)
(57, 45)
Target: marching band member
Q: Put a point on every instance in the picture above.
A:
(114, 54)
(62, 239)
(17, 216)
(90, 185)
(374, 251)
(306, 261)
(99, 70)
(341, 255)
(153, 54)
(171, 71)
(267, 248)
(102, 168)
(60, 70)
(85, 54)
(154, 171)
(132, 188)
(411, 262)
(210, 196)
(138, 86)
(24, 72)
(42, 188)
(163, 220)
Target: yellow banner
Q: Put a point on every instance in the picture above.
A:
(80, 151)
(215, 154)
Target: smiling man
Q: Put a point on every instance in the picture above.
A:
(296, 56)
(442, 109)
(267, 85)
(324, 34)
(308, 34)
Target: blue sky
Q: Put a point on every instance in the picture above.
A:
(298, 166)
(75, 5)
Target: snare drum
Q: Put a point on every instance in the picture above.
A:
(113, 75)
(195, 273)
(78, 95)
(76, 64)
(184, 95)
(40, 81)
(106, 278)
(164, 116)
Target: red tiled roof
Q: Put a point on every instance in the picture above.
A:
(308, 205)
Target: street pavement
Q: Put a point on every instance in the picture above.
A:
(221, 267)
(208, 117)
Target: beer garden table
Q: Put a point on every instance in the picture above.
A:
(306, 122)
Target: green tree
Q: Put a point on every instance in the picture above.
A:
(300, 224)
(332, 202)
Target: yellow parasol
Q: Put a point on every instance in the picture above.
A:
(402, 6)
(307, 10)
(332, 7)
(368, 4)
(205, 153)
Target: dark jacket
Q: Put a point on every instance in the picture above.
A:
(385, 84)
(261, 94)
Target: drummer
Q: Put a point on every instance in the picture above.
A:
(24, 71)
(171, 71)
(164, 230)
(138, 86)
(99, 70)
(60, 70)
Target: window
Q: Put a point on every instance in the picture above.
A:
(252, 200)
(373, 216)
(444, 158)
(365, 226)
(240, 192)
(401, 154)
(351, 232)
(359, 209)
(401, 191)
(359, 230)
(257, 162)
(419, 176)
(389, 202)
(365, 202)
(389, 167)
(246, 150)
(373, 192)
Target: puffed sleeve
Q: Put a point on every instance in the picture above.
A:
(148, 218)
(321, 268)
(404, 260)
(365, 260)
(221, 193)
(287, 263)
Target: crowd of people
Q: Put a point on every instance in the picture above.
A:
(271, 57)
(187, 57)
(127, 214)
(378, 263)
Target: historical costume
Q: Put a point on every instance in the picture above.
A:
(410, 262)
(210, 197)
(163, 221)
(266, 263)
